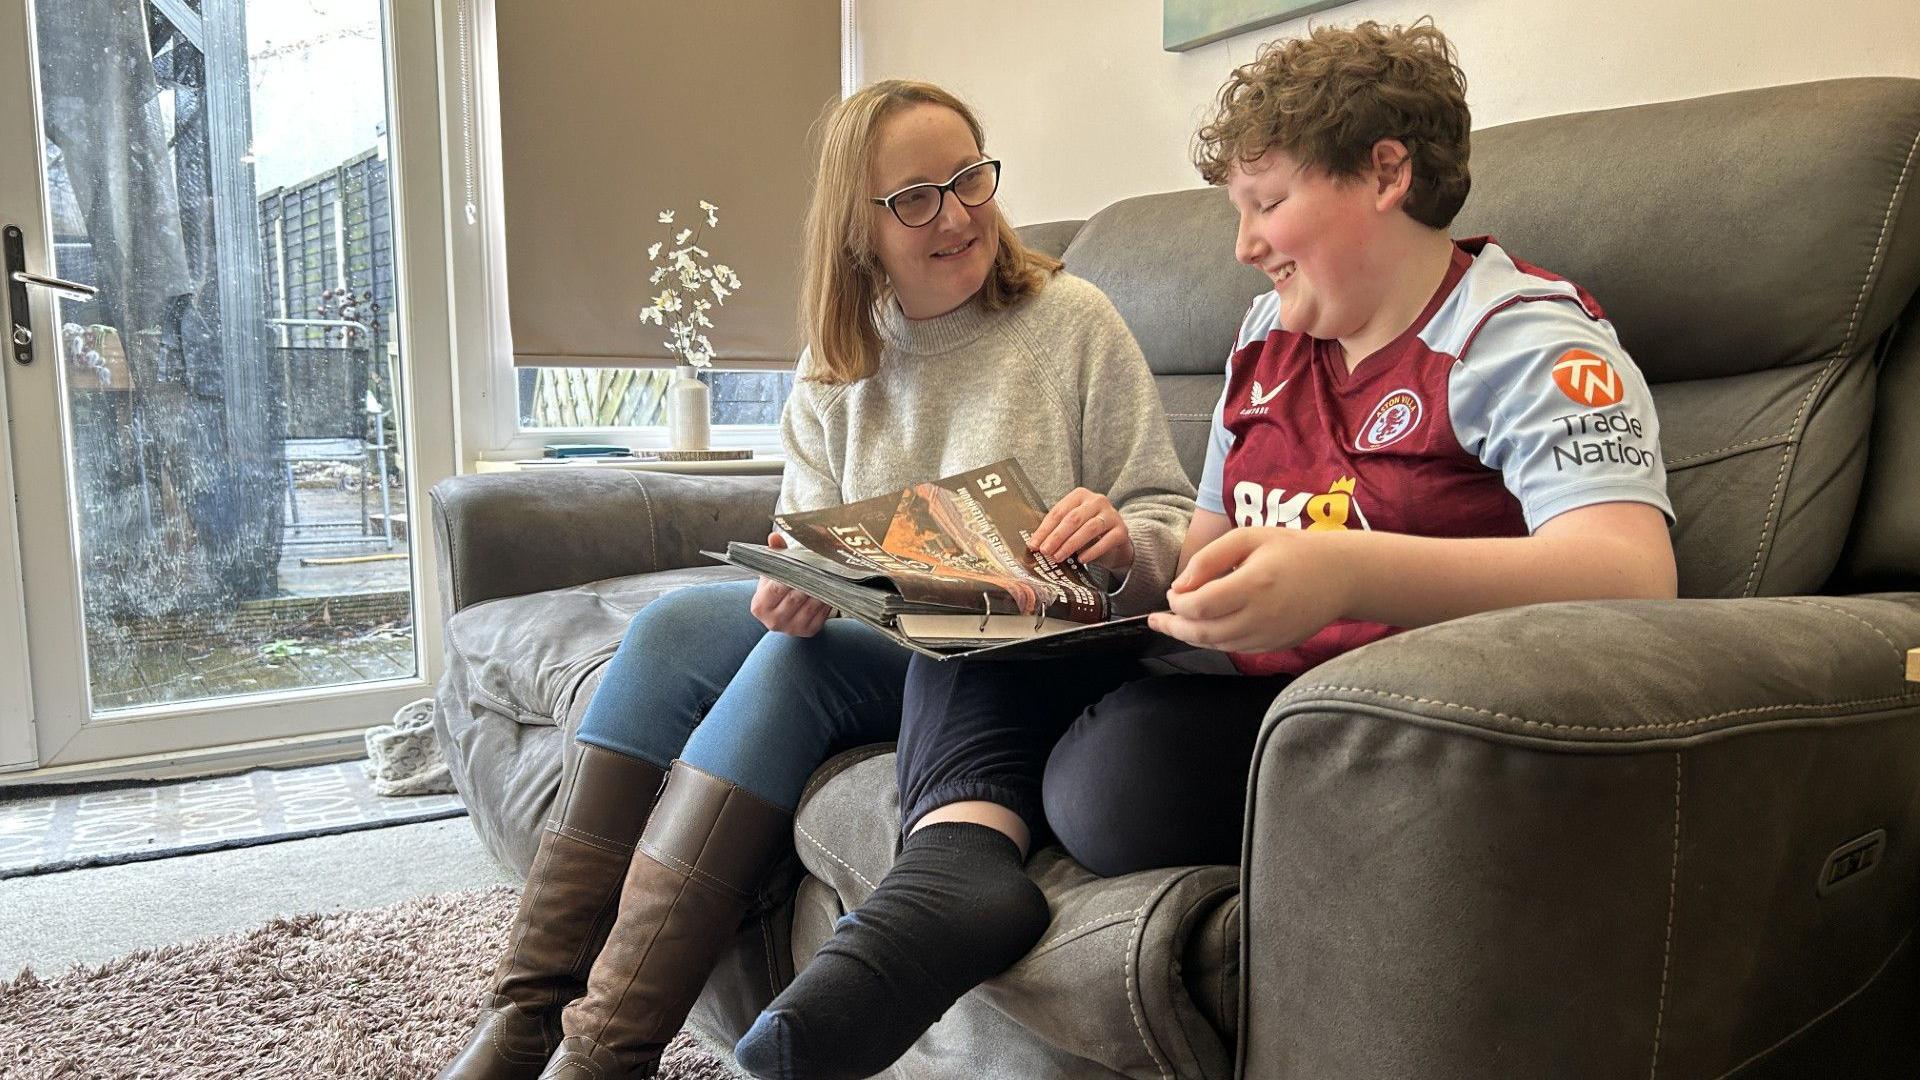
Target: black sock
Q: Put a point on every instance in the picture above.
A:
(956, 909)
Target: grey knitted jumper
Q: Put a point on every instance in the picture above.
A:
(1056, 381)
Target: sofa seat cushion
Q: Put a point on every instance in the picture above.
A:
(1137, 975)
(535, 677)
(520, 671)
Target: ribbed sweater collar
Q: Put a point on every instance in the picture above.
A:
(930, 337)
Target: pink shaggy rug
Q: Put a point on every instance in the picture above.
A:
(386, 994)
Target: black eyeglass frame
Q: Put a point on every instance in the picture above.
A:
(890, 201)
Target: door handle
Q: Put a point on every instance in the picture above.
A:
(72, 290)
(20, 316)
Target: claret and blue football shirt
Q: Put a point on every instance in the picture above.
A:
(1506, 403)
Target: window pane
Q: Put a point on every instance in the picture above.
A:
(559, 399)
(237, 442)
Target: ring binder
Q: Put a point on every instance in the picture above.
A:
(986, 612)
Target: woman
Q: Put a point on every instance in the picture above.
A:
(937, 343)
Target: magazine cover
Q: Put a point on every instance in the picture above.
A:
(958, 542)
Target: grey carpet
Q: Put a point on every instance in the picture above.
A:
(382, 994)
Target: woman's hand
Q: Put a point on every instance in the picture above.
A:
(785, 609)
(1256, 590)
(1085, 524)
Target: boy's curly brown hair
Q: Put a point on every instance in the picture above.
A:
(1327, 98)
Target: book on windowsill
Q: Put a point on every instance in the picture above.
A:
(944, 568)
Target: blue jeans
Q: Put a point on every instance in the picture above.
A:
(698, 678)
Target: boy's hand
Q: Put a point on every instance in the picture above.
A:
(1085, 523)
(784, 609)
(1256, 590)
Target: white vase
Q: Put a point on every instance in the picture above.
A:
(689, 411)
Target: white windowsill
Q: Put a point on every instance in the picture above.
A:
(757, 465)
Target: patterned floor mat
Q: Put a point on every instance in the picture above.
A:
(42, 832)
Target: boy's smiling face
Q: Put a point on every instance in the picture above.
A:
(1314, 237)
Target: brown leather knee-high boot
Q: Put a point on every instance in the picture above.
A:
(566, 911)
(705, 849)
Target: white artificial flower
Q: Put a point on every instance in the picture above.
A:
(654, 251)
(657, 275)
(707, 206)
(666, 217)
(682, 238)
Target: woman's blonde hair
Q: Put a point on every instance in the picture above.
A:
(842, 282)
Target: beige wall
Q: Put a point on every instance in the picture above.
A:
(1084, 106)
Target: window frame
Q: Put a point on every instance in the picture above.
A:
(486, 380)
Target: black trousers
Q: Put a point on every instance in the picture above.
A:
(1127, 769)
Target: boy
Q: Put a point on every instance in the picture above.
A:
(1413, 429)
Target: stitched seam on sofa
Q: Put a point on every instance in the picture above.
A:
(1133, 1001)
(1780, 480)
(1846, 344)
(1899, 654)
(766, 948)
(1175, 985)
(1226, 956)
(693, 871)
(1836, 1007)
(828, 852)
(653, 538)
(444, 527)
(1880, 246)
(1708, 456)
(452, 642)
(1287, 702)
(1673, 897)
(821, 777)
(1101, 922)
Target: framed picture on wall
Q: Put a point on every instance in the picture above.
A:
(1189, 24)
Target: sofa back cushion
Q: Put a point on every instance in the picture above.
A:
(1754, 250)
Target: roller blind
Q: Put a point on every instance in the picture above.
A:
(614, 110)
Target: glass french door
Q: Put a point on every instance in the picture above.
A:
(216, 431)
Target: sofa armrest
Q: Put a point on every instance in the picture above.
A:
(509, 534)
(1587, 839)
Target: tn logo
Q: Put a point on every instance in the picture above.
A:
(1256, 506)
(1587, 379)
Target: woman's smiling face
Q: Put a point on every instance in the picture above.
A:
(939, 266)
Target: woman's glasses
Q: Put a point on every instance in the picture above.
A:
(919, 204)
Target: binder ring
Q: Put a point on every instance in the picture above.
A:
(986, 612)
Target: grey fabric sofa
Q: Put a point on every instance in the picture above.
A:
(1666, 839)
